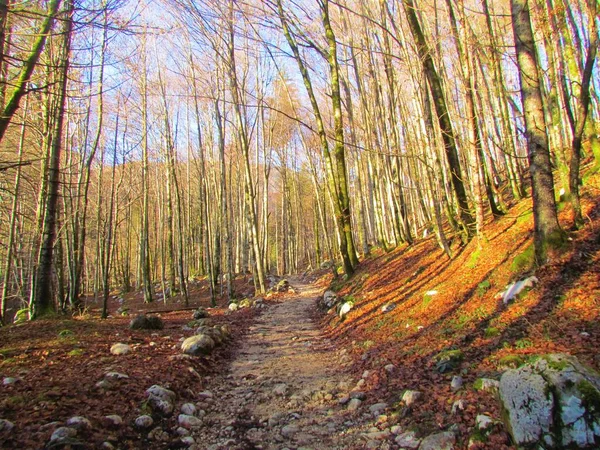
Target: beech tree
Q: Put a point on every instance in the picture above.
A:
(547, 231)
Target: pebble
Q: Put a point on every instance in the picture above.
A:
(377, 435)
(483, 421)
(358, 394)
(144, 421)
(187, 421)
(115, 376)
(182, 431)
(49, 425)
(6, 425)
(408, 440)
(205, 395)
(289, 430)
(457, 383)
(344, 400)
(458, 405)
(439, 441)
(113, 420)
(377, 408)
(280, 389)
(410, 397)
(79, 422)
(354, 404)
(396, 429)
(189, 409)
(63, 433)
(120, 349)
(188, 440)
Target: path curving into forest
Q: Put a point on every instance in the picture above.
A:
(284, 387)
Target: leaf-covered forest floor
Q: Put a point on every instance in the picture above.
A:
(58, 361)
(560, 314)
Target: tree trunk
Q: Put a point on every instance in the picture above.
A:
(547, 231)
(443, 117)
(42, 303)
(20, 86)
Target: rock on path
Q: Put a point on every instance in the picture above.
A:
(283, 388)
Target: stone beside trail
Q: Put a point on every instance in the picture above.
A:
(286, 389)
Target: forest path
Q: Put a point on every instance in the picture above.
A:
(283, 387)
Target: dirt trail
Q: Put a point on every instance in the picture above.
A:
(283, 388)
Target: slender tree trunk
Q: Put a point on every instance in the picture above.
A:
(13, 220)
(578, 118)
(547, 231)
(42, 303)
(443, 117)
(144, 238)
(20, 85)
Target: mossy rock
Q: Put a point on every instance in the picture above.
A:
(246, 303)
(486, 385)
(511, 362)
(448, 360)
(143, 322)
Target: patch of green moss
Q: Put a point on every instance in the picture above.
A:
(76, 352)
(524, 261)
(556, 365)
(473, 259)
(6, 351)
(478, 436)
(532, 359)
(7, 362)
(523, 343)
(448, 360)
(512, 361)
(483, 287)
(449, 354)
(591, 396)
(491, 332)
(366, 344)
(22, 315)
(427, 300)
(525, 217)
(65, 333)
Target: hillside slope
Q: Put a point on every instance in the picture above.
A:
(437, 305)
